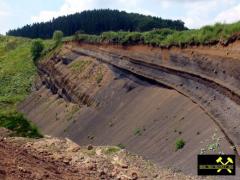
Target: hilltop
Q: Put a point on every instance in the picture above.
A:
(96, 22)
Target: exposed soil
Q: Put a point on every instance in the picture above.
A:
(146, 99)
(56, 159)
(211, 80)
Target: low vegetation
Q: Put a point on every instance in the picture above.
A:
(214, 145)
(57, 37)
(37, 49)
(79, 65)
(17, 72)
(99, 76)
(111, 150)
(180, 143)
(137, 132)
(18, 124)
(166, 37)
(121, 146)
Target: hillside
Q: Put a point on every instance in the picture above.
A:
(53, 158)
(96, 22)
(17, 73)
(143, 98)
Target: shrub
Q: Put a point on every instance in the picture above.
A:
(112, 150)
(11, 45)
(76, 34)
(57, 36)
(19, 125)
(121, 146)
(36, 49)
(180, 143)
(167, 37)
(99, 77)
(138, 132)
(79, 66)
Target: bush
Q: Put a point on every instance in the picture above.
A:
(77, 33)
(137, 132)
(121, 146)
(112, 150)
(180, 143)
(18, 124)
(167, 37)
(37, 48)
(11, 45)
(57, 36)
(99, 77)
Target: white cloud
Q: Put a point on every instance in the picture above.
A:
(69, 7)
(166, 4)
(72, 6)
(229, 15)
(195, 13)
(200, 13)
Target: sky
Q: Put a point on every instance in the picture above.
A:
(195, 13)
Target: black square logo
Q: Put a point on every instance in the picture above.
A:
(216, 165)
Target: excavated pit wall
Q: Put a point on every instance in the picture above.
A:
(59, 82)
(125, 103)
(210, 80)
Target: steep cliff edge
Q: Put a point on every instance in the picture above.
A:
(129, 96)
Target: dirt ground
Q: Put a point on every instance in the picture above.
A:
(56, 159)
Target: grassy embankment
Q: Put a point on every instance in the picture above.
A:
(165, 37)
(17, 73)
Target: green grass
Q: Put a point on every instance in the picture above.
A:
(99, 77)
(111, 150)
(50, 48)
(18, 124)
(17, 72)
(72, 112)
(79, 66)
(165, 37)
(137, 132)
(121, 146)
(180, 143)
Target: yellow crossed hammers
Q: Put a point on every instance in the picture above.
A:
(219, 160)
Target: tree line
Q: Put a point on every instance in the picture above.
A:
(96, 22)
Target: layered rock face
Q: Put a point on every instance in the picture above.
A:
(209, 76)
(142, 98)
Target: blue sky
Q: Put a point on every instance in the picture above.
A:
(195, 13)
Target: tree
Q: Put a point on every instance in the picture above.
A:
(36, 49)
(77, 33)
(96, 22)
(57, 36)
